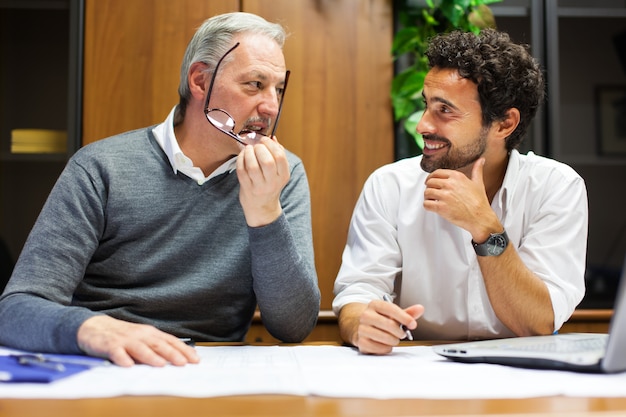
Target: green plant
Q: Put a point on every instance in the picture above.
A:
(418, 22)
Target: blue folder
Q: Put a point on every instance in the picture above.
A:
(43, 368)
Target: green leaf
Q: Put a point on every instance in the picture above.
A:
(405, 40)
(429, 19)
(410, 84)
(455, 10)
(482, 17)
(402, 107)
(410, 125)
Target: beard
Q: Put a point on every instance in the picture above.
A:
(455, 158)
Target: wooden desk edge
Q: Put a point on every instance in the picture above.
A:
(579, 315)
(591, 315)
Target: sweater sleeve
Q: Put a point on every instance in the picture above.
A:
(283, 268)
(40, 325)
(35, 312)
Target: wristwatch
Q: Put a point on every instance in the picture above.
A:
(494, 246)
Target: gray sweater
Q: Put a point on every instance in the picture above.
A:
(122, 234)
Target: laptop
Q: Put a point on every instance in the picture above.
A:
(579, 352)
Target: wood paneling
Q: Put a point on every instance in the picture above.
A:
(588, 321)
(337, 115)
(132, 57)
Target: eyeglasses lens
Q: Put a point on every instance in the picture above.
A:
(220, 120)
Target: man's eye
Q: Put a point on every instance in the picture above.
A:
(256, 84)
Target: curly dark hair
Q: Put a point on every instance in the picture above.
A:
(506, 74)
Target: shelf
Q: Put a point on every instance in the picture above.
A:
(33, 157)
(35, 4)
(510, 11)
(54, 101)
(591, 12)
(593, 160)
(41, 44)
(574, 123)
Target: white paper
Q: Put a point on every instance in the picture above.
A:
(330, 371)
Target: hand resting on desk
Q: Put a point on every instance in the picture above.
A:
(126, 343)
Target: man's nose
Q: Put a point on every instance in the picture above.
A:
(425, 124)
(269, 103)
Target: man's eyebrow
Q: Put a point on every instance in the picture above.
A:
(258, 74)
(441, 100)
(262, 76)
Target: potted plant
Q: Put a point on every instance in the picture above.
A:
(418, 21)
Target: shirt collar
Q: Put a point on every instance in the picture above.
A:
(500, 201)
(164, 134)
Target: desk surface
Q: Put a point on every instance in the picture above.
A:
(286, 405)
(291, 406)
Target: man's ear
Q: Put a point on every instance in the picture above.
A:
(509, 124)
(198, 79)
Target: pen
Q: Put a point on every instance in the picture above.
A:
(407, 332)
(89, 362)
(58, 362)
(187, 340)
(39, 361)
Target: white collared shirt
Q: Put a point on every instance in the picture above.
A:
(166, 138)
(394, 245)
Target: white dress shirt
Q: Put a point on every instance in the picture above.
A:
(164, 134)
(396, 246)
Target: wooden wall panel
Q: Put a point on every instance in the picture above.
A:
(337, 115)
(133, 52)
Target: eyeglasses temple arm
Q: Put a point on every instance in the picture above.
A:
(282, 100)
(208, 96)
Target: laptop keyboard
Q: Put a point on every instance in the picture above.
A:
(564, 346)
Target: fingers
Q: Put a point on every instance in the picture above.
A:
(159, 352)
(125, 343)
(416, 311)
(477, 170)
(120, 357)
(263, 172)
(263, 162)
(455, 197)
(380, 326)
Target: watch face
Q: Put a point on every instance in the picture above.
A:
(496, 245)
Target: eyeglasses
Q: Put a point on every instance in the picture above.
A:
(225, 123)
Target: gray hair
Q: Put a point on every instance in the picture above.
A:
(214, 37)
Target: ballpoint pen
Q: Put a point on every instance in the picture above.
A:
(39, 361)
(407, 332)
(58, 362)
(187, 340)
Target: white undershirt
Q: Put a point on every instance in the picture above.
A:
(166, 138)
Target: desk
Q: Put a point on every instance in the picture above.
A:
(293, 406)
(288, 406)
